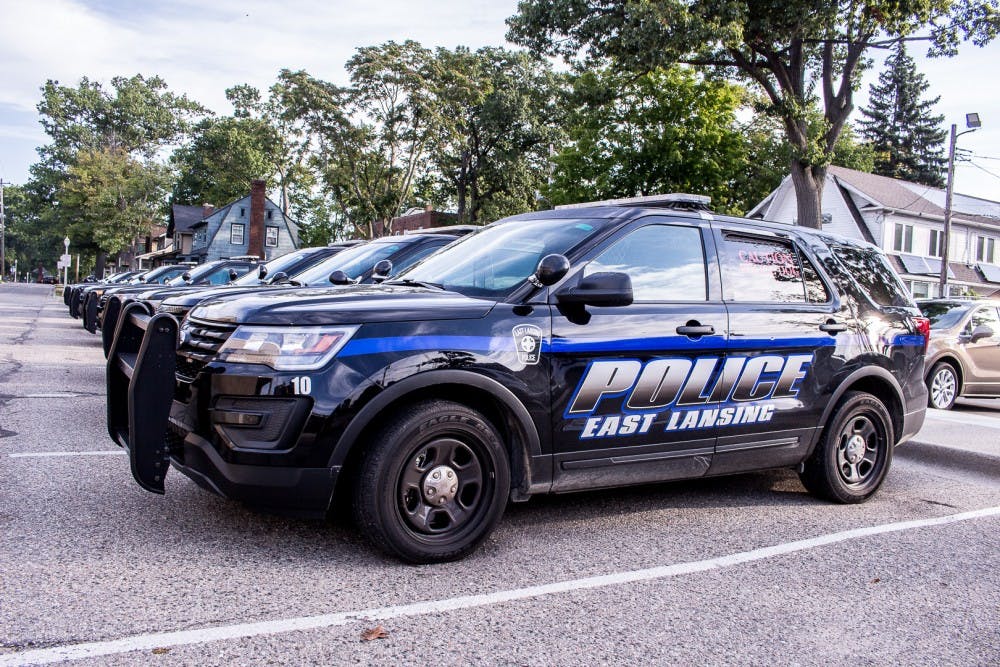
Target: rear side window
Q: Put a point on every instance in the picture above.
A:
(767, 270)
(872, 272)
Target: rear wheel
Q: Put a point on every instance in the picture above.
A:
(852, 459)
(942, 386)
(433, 483)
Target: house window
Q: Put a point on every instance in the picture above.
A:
(986, 249)
(236, 234)
(920, 290)
(243, 212)
(270, 214)
(903, 239)
(936, 247)
(271, 237)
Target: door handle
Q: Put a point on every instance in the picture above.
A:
(832, 326)
(696, 330)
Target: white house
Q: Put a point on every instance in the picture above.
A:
(907, 221)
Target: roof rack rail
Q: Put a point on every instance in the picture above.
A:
(675, 200)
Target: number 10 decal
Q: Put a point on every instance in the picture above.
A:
(302, 385)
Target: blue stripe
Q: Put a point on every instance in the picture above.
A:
(416, 343)
(908, 340)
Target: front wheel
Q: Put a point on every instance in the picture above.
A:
(854, 455)
(433, 484)
(942, 386)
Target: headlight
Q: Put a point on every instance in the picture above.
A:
(285, 349)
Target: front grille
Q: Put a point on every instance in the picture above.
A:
(200, 342)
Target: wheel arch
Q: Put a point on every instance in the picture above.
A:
(879, 383)
(481, 393)
(952, 361)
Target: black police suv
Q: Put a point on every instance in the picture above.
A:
(73, 294)
(557, 351)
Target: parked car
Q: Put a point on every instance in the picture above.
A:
(557, 351)
(963, 356)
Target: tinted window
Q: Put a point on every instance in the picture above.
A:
(872, 272)
(943, 314)
(665, 263)
(984, 316)
(816, 291)
(756, 269)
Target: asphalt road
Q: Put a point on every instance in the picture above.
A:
(739, 570)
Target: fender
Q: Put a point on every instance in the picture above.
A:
(526, 468)
(845, 385)
(948, 356)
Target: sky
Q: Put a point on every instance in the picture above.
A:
(201, 47)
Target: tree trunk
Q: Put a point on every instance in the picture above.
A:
(808, 181)
(99, 267)
(463, 176)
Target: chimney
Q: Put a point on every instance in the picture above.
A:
(207, 210)
(256, 246)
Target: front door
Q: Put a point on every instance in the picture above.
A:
(984, 354)
(630, 384)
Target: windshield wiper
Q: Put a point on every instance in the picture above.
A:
(414, 283)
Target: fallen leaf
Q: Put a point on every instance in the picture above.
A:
(876, 580)
(378, 632)
(160, 651)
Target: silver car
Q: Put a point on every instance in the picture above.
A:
(963, 356)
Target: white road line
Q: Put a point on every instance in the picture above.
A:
(148, 642)
(39, 455)
(959, 418)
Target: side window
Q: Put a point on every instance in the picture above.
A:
(769, 270)
(870, 269)
(219, 276)
(665, 263)
(414, 258)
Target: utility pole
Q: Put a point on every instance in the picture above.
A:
(972, 122)
(3, 235)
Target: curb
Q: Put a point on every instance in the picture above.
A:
(949, 457)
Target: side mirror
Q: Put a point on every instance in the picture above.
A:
(606, 289)
(186, 276)
(382, 271)
(550, 270)
(980, 332)
(233, 275)
(278, 277)
(338, 277)
(261, 272)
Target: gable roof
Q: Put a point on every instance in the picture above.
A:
(885, 192)
(183, 217)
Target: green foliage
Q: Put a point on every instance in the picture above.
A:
(29, 243)
(798, 52)
(112, 197)
(490, 155)
(906, 137)
(665, 131)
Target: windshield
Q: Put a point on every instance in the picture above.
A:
(943, 314)
(274, 266)
(197, 273)
(353, 261)
(496, 260)
(162, 273)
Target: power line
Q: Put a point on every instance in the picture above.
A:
(982, 168)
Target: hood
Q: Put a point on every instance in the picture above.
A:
(352, 304)
(189, 298)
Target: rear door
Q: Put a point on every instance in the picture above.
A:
(629, 383)
(785, 322)
(984, 354)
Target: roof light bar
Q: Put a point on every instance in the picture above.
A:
(675, 200)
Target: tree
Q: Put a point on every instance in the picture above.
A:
(665, 131)
(491, 154)
(370, 137)
(121, 127)
(789, 49)
(908, 140)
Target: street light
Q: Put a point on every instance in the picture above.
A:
(973, 123)
(65, 262)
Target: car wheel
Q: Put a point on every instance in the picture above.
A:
(855, 452)
(942, 386)
(433, 483)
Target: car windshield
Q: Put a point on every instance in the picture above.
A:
(495, 261)
(197, 273)
(943, 314)
(353, 261)
(159, 273)
(274, 266)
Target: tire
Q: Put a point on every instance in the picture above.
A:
(403, 510)
(942, 386)
(855, 452)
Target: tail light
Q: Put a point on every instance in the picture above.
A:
(924, 329)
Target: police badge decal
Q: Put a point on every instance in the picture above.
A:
(528, 343)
